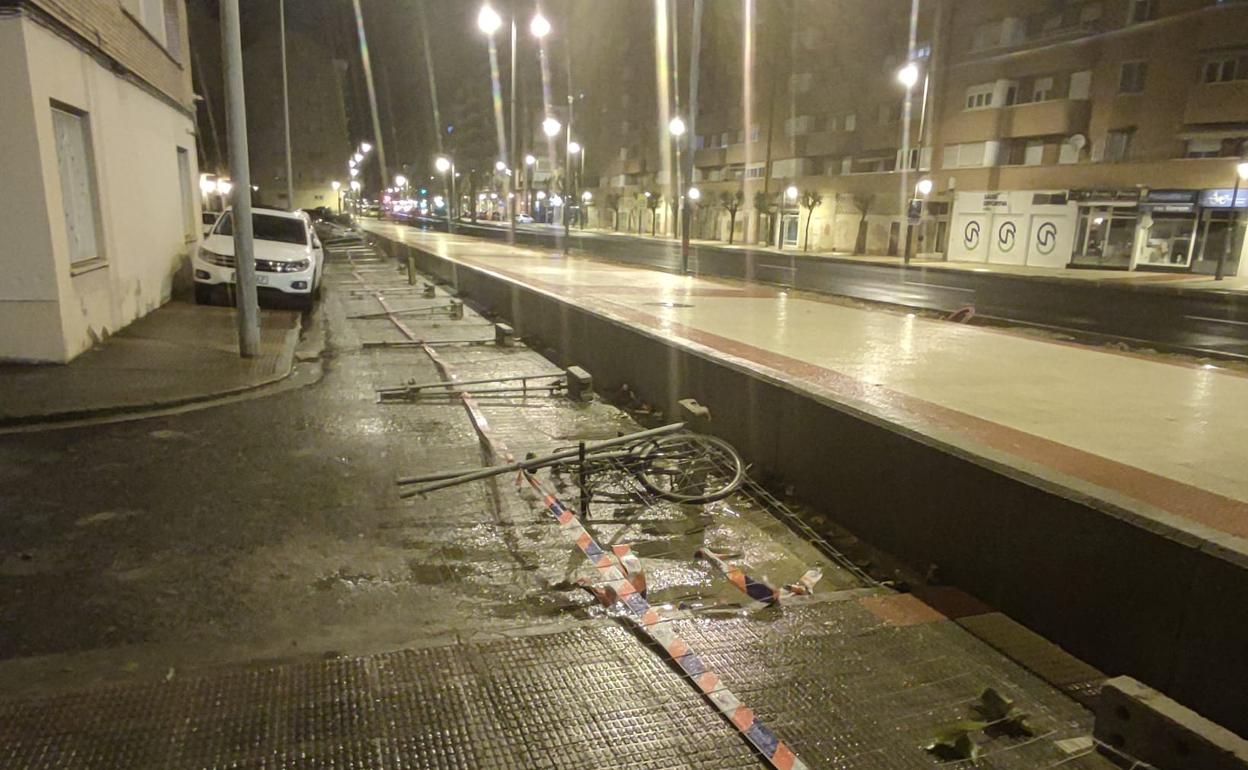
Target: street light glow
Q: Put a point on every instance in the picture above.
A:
(488, 20)
(574, 147)
(529, 160)
(676, 127)
(356, 158)
(551, 127)
(587, 196)
(351, 163)
(442, 164)
(541, 195)
(224, 186)
(791, 192)
(1242, 170)
(500, 166)
(355, 185)
(355, 172)
(207, 186)
(694, 193)
(924, 187)
(365, 147)
(539, 26)
(908, 75)
(400, 180)
(555, 200)
(336, 185)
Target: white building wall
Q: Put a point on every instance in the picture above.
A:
(30, 320)
(134, 140)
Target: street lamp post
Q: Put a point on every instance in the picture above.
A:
(790, 195)
(446, 167)
(337, 193)
(677, 129)
(529, 162)
(913, 217)
(1241, 175)
(908, 77)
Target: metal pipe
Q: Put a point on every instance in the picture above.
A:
(290, 181)
(453, 383)
(536, 462)
(240, 173)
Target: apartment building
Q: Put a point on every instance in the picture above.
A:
(1101, 133)
(1097, 133)
(99, 205)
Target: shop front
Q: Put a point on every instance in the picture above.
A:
(1220, 233)
(1106, 224)
(1023, 227)
(1192, 231)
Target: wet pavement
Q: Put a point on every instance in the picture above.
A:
(241, 586)
(178, 354)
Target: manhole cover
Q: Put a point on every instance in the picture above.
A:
(666, 304)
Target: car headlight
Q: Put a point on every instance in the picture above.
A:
(273, 266)
(213, 258)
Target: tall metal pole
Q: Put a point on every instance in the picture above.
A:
(903, 201)
(694, 54)
(567, 163)
(372, 94)
(240, 173)
(1232, 215)
(511, 152)
(290, 179)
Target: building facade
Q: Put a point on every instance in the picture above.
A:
(100, 205)
(1077, 133)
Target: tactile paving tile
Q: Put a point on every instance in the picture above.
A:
(593, 697)
(845, 688)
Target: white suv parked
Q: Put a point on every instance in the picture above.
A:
(289, 258)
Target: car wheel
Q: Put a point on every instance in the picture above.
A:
(203, 294)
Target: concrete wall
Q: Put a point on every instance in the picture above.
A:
(134, 136)
(1123, 589)
(30, 319)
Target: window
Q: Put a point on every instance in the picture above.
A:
(979, 97)
(1118, 145)
(754, 133)
(1203, 148)
(1080, 84)
(266, 227)
(1224, 69)
(1141, 10)
(1042, 90)
(971, 155)
(1022, 152)
(189, 228)
(1131, 78)
(77, 176)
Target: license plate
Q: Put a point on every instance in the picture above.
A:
(261, 278)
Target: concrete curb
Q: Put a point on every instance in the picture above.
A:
(286, 366)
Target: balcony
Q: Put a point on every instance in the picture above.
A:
(1055, 117)
(1217, 103)
(709, 157)
(823, 143)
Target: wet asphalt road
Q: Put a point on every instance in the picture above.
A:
(271, 527)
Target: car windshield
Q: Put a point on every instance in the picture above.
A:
(266, 227)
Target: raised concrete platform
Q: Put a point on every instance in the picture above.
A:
(1097, 497)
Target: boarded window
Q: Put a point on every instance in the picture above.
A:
(78, 198)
